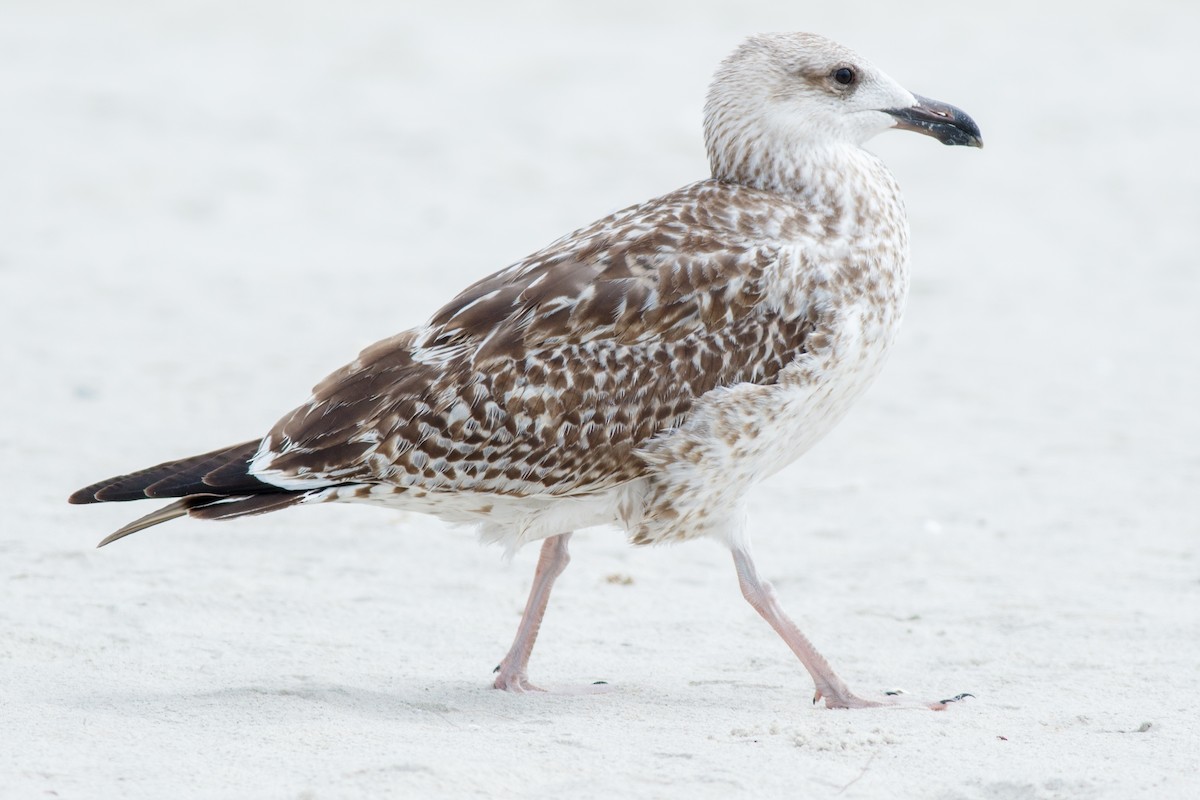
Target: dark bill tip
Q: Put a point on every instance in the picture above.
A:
(942, 121)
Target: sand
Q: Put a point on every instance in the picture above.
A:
(205, 207)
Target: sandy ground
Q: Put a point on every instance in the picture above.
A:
(205, 207)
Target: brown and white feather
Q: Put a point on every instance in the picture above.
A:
(643, 370)
(548, 377)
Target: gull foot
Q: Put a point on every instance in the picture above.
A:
(891, 699)
(846, 699)
(933, 705)
(519, 682)
(513, 681)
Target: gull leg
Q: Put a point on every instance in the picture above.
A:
(830, 687)
(760, 594)
(551, 563)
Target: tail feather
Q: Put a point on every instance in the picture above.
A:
(209, 507)
(164, 514)
(230, 507)
(216, 485)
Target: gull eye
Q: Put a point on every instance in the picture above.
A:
(844, 75)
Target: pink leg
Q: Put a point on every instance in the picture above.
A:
(761, 595)
(552, 561)
(830, 687)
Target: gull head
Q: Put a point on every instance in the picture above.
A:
(780, 96)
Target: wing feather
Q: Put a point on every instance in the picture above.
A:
(544, 378)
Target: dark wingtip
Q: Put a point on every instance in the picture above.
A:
(224, 471)
(83, 496)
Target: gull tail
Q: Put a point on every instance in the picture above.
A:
(216, 485)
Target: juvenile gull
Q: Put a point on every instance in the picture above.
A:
(643, 371)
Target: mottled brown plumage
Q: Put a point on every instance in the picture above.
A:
(548, 377)
(643, 371)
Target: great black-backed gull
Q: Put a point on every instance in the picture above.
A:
(643, 371)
